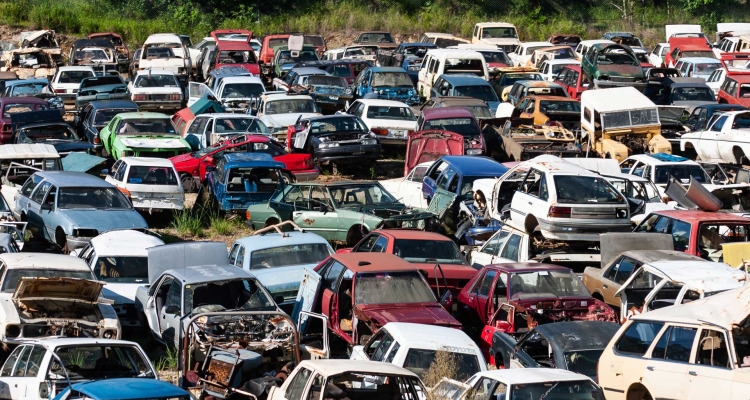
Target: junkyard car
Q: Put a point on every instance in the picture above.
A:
(545, 110)
(453, 176)
(156, 89)
(501, 34)
(126, 389)
(337, 139)
(67, 80)
(151, 184)
(107, 87)
(573, 80)
(471, 86)
(123, 55)
(391, 121)
(331, 93)
(278, 258)
(699, 348)
(238, 94)
(141, 134)
(408, 189)
(286, 59)
(53, 295)
(415, 346)
(280, 111)
(407, 56)
(296, 76)
(522, 53)
(571, 345)
(521, 139)
(96, 115)
(33, 366)
(388, 83)
(685, 92)
(166, 51)
(240, 180)
(382, 39)
(723, 140)
(46, 40)
(30, 62)
(39, 88)
(99, 54)
(47, 127)
(14, 105)
(119, 258)
(504, 78)
(611, 65)
(341, 212)
(19, 161)
(698, 119)
(339, 379)
(521, 89)
(206, 130)
(457, 120)
(70, 208)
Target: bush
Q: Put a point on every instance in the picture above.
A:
(189, 222)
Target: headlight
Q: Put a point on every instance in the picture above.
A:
(328, 145)
(369, 142)
(473, 152)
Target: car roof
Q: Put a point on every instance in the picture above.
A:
(514, 268)
(142, 115)
(556, 165)
(22, 100)
(574, 67)
(58, 341)
(209, 273)
(163, 38)
(446, 112)
(538, 84)
(308, 71)
(662, 159)
(578, 335)
(649, 256)
(384, 103)
(28, 150)
(594, 41)
(616, 99)
(283, 96)
(475, 166)
(124, 243)
(100, 104)
(242, 79)
(488, 24)
(715, 107)
(232, 160)
(516, 376)
(550, 98)
(700, 60)
(128, 388)
(700, 275)
(417, 44)
(148, 161)
(431, 337)
(373, 262)
(233, 115)
(72, 179)
(696, 216)
(566, 61)
(337, 367)
(465, 80)
(413, 233)
(543, 43)
(726, 309)
(274, 239)
(24, 81)
(43, 261)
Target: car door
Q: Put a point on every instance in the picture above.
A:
(479, 296)
(530, 198)
(34, 208)
(666, 371)
(710, 374)
(434, 176)
(615, 276)
(19, 375)
(708, 145)
(195, 132)
(23, 198)
(171, 313)
(320, 217)
(196, 91)
(489, 252)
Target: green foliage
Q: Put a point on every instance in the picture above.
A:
(189, 221)
(167, 360)
(223, 226)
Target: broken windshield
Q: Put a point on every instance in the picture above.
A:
(391, 288)
(93, 362)
(547, 284)
(391, 79)
(578, 390)
(235, 294)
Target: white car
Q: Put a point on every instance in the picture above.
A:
(156, 90)
(120, 259)
(414, 347)
(152, 184)
(391, 121)
(67, 79)
(716, 79)
(279, 110)
(725, 140)
(656, 56)
(551, 68)
(408, 190)
(32, 371)
(53, 295)
(523, 52)
(167, 51)
(211, 128)
(658, 168)
(237, 94)
(520, 383)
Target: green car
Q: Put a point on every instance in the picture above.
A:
(613, 65)
(341, 212)
(141, 134)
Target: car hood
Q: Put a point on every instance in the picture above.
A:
(72, 145)
(284, 120)
(106, 220)
(418, 313)
(153, 142)
(184, 160)
(620, 70)
(44, 288)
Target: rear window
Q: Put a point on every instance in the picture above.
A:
(73, 76)
(585, 190)
(419, 361)
(146, 175)
(464, 66)
(638, 337)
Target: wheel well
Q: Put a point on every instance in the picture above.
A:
(499, 360)
(355, 233)
(271, 221)
(597, 296)
(530, 224)
(636, 392)
(738, 154)
(57, 231)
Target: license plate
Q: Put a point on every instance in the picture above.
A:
(334, 97)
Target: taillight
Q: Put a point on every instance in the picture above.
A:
(308, 162)
(124, 191)
(559, 212)
(175, 97)
(59, 90)
(96, 139)
(139, 97)
(247, 215)
(383, 132)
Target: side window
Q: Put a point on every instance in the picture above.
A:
(115, 166)
(713, 350)
(40, 192)
(495, 244)
(174, 295)
(297, 385)
(484, 288)
(486, 389)
(11, 361)
(680, 231)
(675, 344)
(532, 183)
(120, 173)
(50, 199)
(383, 347)
(719, 124)
(23, 359)
(33, 362)
(367, 244)
(30, 185)
(380, 245)
(445, 178)
(392, 353)
(621, 271)
(374, 342)
(197, 126)
(510, 251)
(638, 337)
(331, 279)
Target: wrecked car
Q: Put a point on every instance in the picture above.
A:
(408, 56)
(477, 107)
(19, 161)
(724, 139)
(451, 178)
(166, 51)
(698, 119)
(504, 78)
(570, 345)
(471, 86)
(141, 134)
(47, 40)
(619, 121)
(151, 184)
(684, 92)
(387, 83)
(428, 146)
(455, 120)
(39, 88)
(383, 40)
(355, 294)
(28, 63)
(573, 80)
(286, 59)
(234, 52)
(392, 121)
(331, 93)
(521, 89)
(551, 111)
(408, 189)
(100, 54)
(334, 139)
(280, 111)
(613, 65)
(53, 295)
(514, 298)
(522, 140)
(123, 54)
(96, 115)
(47, 127)
(156, 90)
(501, 34)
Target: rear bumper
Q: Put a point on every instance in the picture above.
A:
(159, 105)
(149, 205)
(348, 154)
(306, 175)
(582, 231)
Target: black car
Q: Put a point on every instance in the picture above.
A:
(572, 345)
(47, 127)
(700, 115)
(95, 115)
(338, 139)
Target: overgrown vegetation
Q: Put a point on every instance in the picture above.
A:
(536, 19)
(190, 221)
(166, 359)
(445, 365)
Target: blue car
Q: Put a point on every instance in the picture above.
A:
(124, 389)
(240, 180)
(71, 208)
(37, 87)
(387, 83)
(455, 175)
(467, 86)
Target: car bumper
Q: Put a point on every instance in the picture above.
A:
(148, 205)
(348, 154)
(392, 140)
(306, 175)
(67, 98)
(75, 243)
(582, 231)
(159, 105)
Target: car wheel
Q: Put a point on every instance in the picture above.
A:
(188, 183)
(287, 178)
(355, 234)
(62, 241)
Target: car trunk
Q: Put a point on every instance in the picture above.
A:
(430, 145)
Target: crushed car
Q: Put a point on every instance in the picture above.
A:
(522, 139)
(100, 54)
(47, 40)
(123, 54)
(613, 65)
(28, 63)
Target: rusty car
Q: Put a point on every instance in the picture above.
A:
(613, 65)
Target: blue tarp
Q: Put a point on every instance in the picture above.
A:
(81, 162)
(204, 105)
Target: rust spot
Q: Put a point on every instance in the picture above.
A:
(308, 221)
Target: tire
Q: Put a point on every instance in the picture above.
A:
(287, 178)
(62, 241)
(188, 183)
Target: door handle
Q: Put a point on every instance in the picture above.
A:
(605, 286)
(650, 368)
(693, 373)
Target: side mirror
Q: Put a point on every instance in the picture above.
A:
(447, 300)
(46, 207)
(104, 172)
(174, 310)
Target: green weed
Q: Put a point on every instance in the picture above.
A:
(189, 221)
(167, 360)
(223, 226)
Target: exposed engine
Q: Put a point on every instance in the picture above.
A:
(546, 312)
(55, 317)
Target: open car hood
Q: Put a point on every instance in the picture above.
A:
(613, 244)
(694, 197)
(71, 289)
(430, 145)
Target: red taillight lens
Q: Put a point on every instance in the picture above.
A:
(60, 90)
(139, 97)
(175, 97)
(559, 212)
(96, 140)
(383, 132)
(124, 191)
(409, 133)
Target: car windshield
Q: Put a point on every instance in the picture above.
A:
(323, 80)
(14, 275)
(706, 68)
(546, 91)
(617, 57)
(509, 79)
(424, 251)
(556, 68)
(419, 361)
(499, 33)
(385, 112)
(73, 76)
(495, 57)
(699, 53)
(642, 58)
(147, 175)
(233, 294)
(234, 125)
(712, 235)
(100, 198)
(285, 57)
(327, 126)
(645, 191)
(464, 66)
(583, 361)
(551, 107)
(548, 284)
(102, 117)
(314, 40)
(121, 269)
(462, 126)
(155, 80)
(482, 92)
(479, 111)
(376, 37)
(391, 287)
(96, 361)
(31, 89)
(360, 195)
(236, 57)
(273, 43)
(681, 172)
(285, 256)
(585, 190)
(242, 90)
(48, 133)
(391, 79)
(101, 80)
(578, 390)
(693, 94)
(160, 126)
(290, 106)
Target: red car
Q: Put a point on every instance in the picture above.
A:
(573, 81)
(424, 250)
(269, 46)
(13, 105)
(457, 120)
(514, 298)
(736, 86)
(686, 47)
(234, 53)
(698, 233)
(359, 293)
(192, 166)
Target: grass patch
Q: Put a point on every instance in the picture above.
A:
(224, 226)
(445, 365)
(166, 360)
(189, 221)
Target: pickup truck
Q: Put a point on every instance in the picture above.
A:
(407, 56)
(724, 140)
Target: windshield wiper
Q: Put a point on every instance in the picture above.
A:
(548, 391)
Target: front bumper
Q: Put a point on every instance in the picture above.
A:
(159, 105)
(349, 154)
(306, 175)
(75, 242)
(582, 231)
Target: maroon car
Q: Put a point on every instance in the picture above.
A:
(516, 297)
(456, 120)
(14, 105)
(361, 292)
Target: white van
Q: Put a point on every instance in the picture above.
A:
(449, 61)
